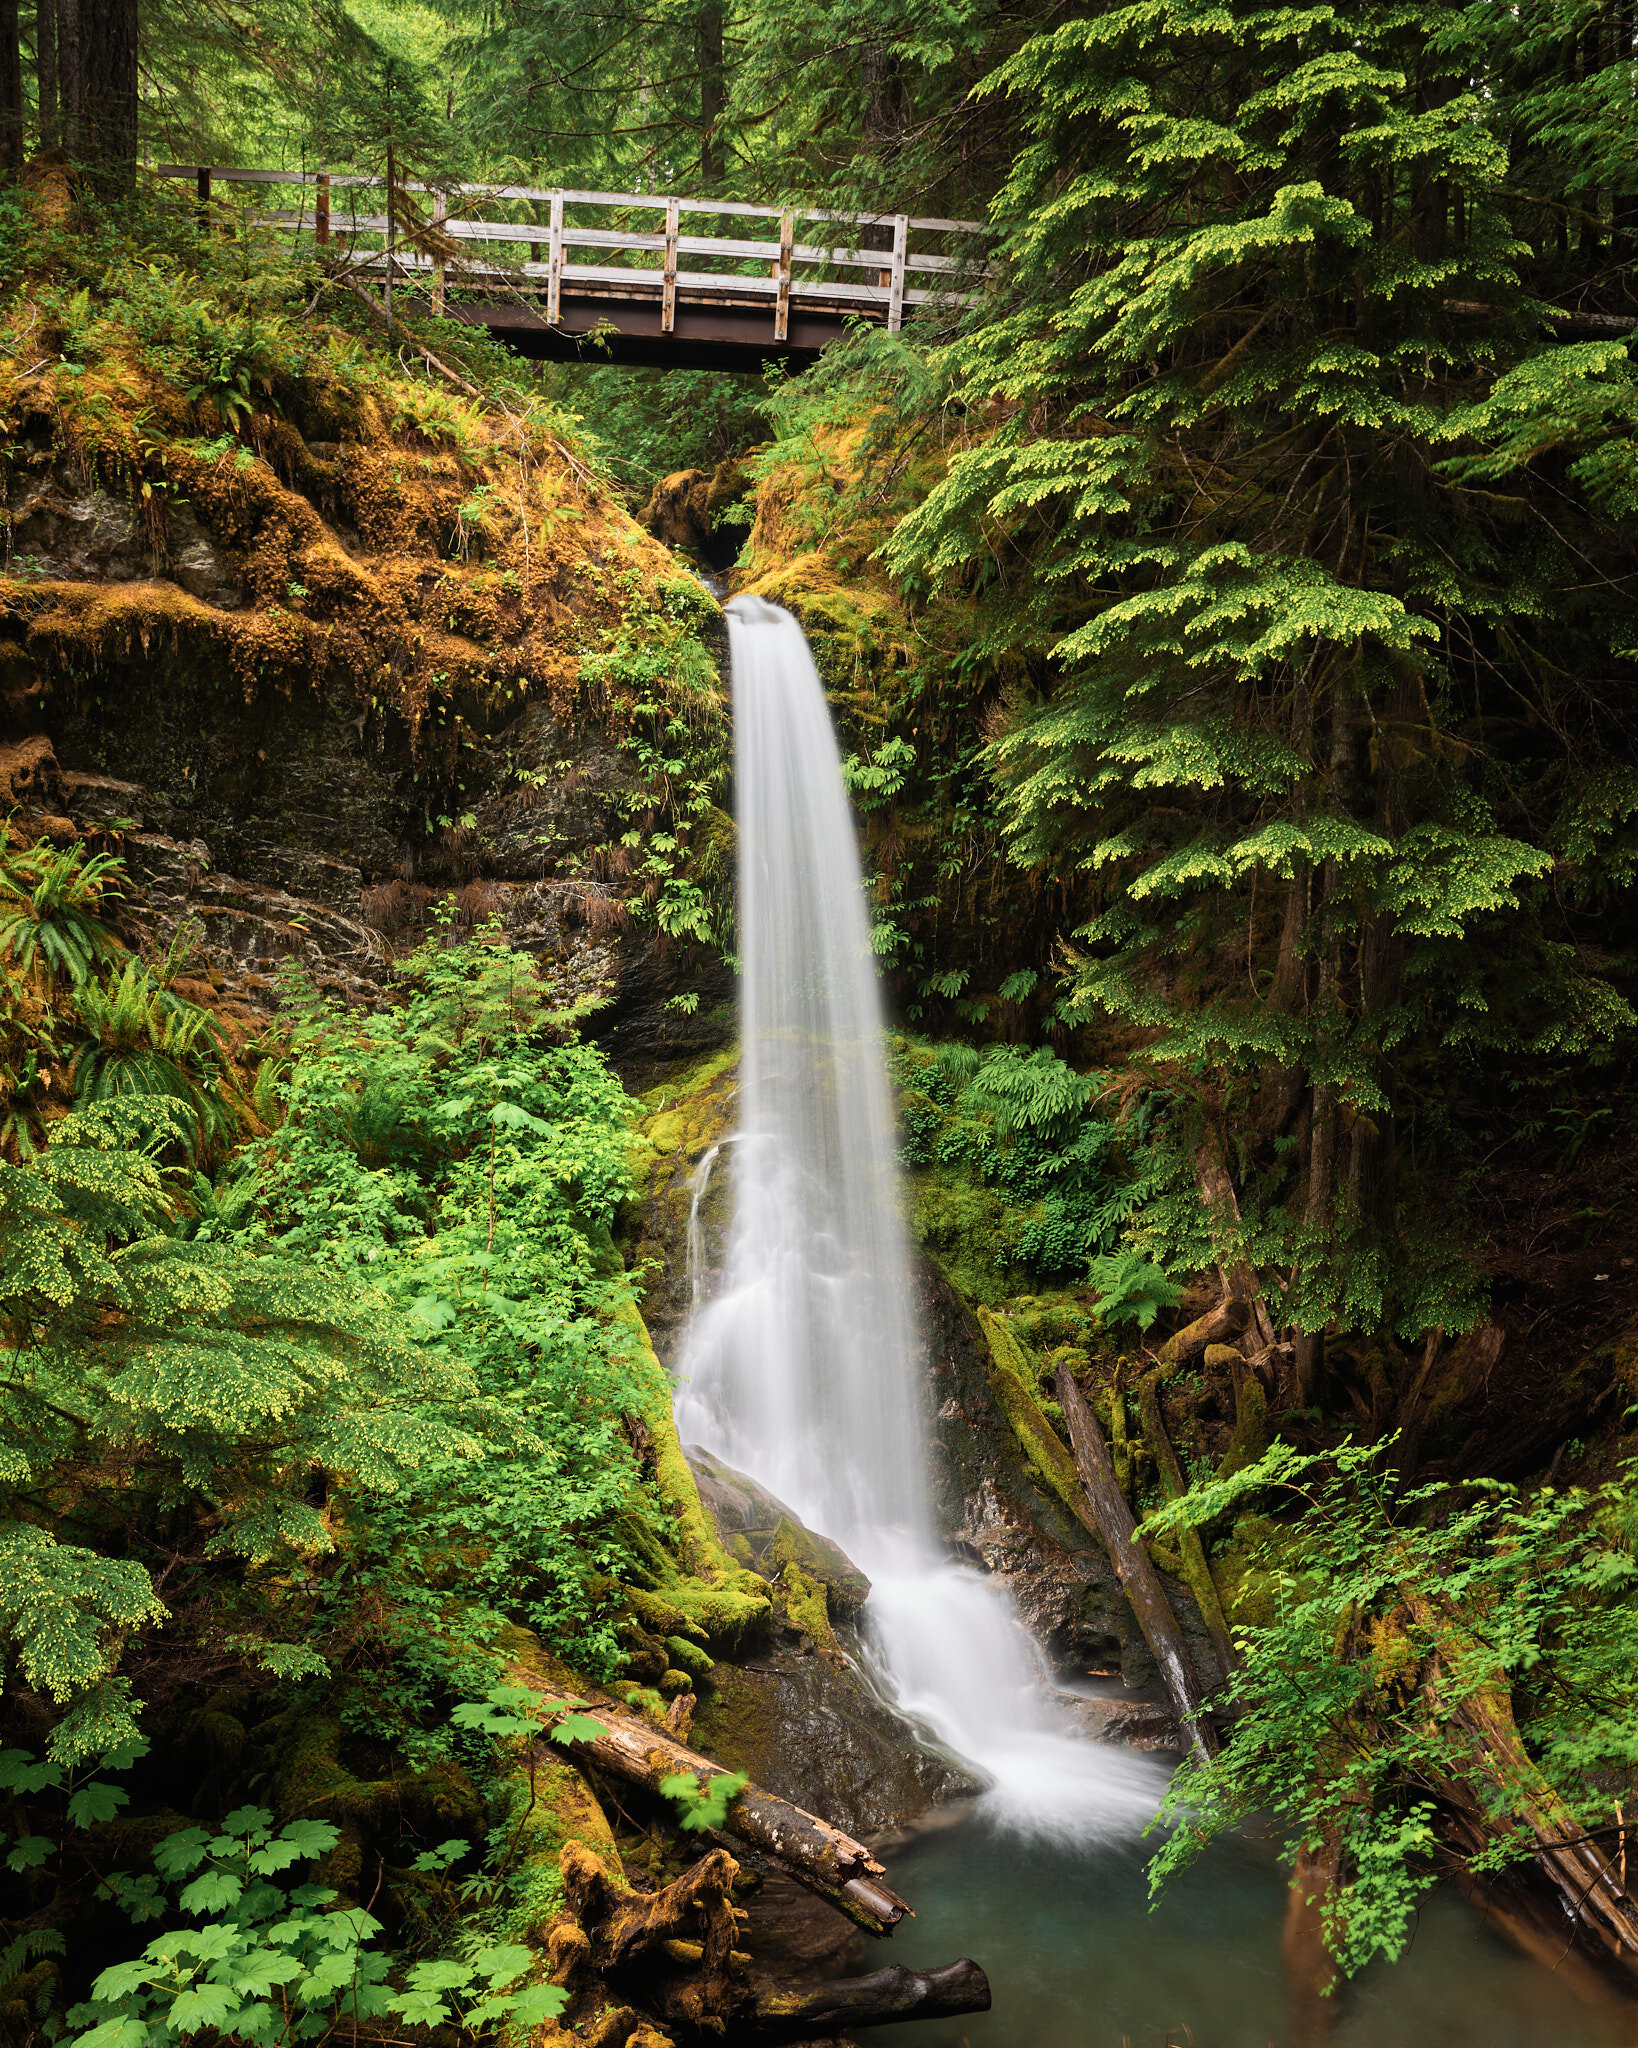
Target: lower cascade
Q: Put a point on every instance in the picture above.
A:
(804, 1371)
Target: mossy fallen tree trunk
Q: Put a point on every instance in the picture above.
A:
(1500, 1778)
(816, 1854)
(1193, 1552)
(1112, 1518)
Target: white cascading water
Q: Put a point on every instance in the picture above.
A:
(803, 1371)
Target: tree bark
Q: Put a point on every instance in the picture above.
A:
(1113, 1520)
(11, 93)
(713, 95)
(878, 2000)
(1499, 1777)
(107, 101)
(1310, 1971)
(45, 72)
(816, 1854)
(69, 78)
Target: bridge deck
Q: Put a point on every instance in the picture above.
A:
(484, 255)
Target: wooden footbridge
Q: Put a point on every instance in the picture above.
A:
(643, 277)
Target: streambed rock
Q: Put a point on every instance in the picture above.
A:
(801, 1716)
(809, 1727)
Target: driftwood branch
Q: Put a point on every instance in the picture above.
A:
(881, 1999)
(1113, 1520)
(816, 1854)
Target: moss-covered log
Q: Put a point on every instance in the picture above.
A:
(1106, 1506)
(816, 1854)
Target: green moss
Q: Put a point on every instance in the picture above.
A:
(1012, 1380)
(1250, 1438)
(729, 1617)
(1248, 1570)
(963, 1223)
(688, 1656)
(846, 1588)
(805, 1604)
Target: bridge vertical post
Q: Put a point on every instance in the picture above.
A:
(554, 272)
(782, 271)
(321, 211)
(202, 195)
(895, 291)
(668, 286)
(440, 213)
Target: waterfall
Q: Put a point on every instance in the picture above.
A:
(804, 1370)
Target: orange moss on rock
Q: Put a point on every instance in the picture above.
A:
(435, 554)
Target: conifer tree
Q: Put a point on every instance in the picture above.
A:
(1261, 350)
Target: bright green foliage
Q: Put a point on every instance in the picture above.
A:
(1072, 1175)
(466, 1154)
(51, 900)
(702, 1804)
(1256, 510)
(275, 1963)
(145, 1041)
(206, 1373)
(510, 1712)
(1397, 1607)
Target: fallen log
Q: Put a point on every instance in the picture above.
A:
(1113, 1520)
(787, 2012)
(816, 1854)
(1500, 1779)
(1196, 1571)
(1228, 1319)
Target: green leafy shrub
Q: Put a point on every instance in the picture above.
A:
(1423, 1637)
(198, 1373)
(274, 1963)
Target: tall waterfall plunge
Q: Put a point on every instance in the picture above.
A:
(804, 1370)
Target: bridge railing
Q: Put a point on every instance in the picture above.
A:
(761, 261)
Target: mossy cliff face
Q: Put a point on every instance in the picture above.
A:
(379, 644)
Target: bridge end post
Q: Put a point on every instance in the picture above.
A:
(554, 271)
(895, 290)
(782, 271)
(440, 213)
(321, 211)
(668, 288)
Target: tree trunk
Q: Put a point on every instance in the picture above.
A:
(816, 1854)
(108, 94)
(1113, 1520)
(45, 72)
(713, 96)
(1310, 1972)
(1219, 1325)
(392, 238)
(69, 78)
(11, 93)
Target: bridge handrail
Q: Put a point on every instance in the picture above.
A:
(889, 293)
(656, 201)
